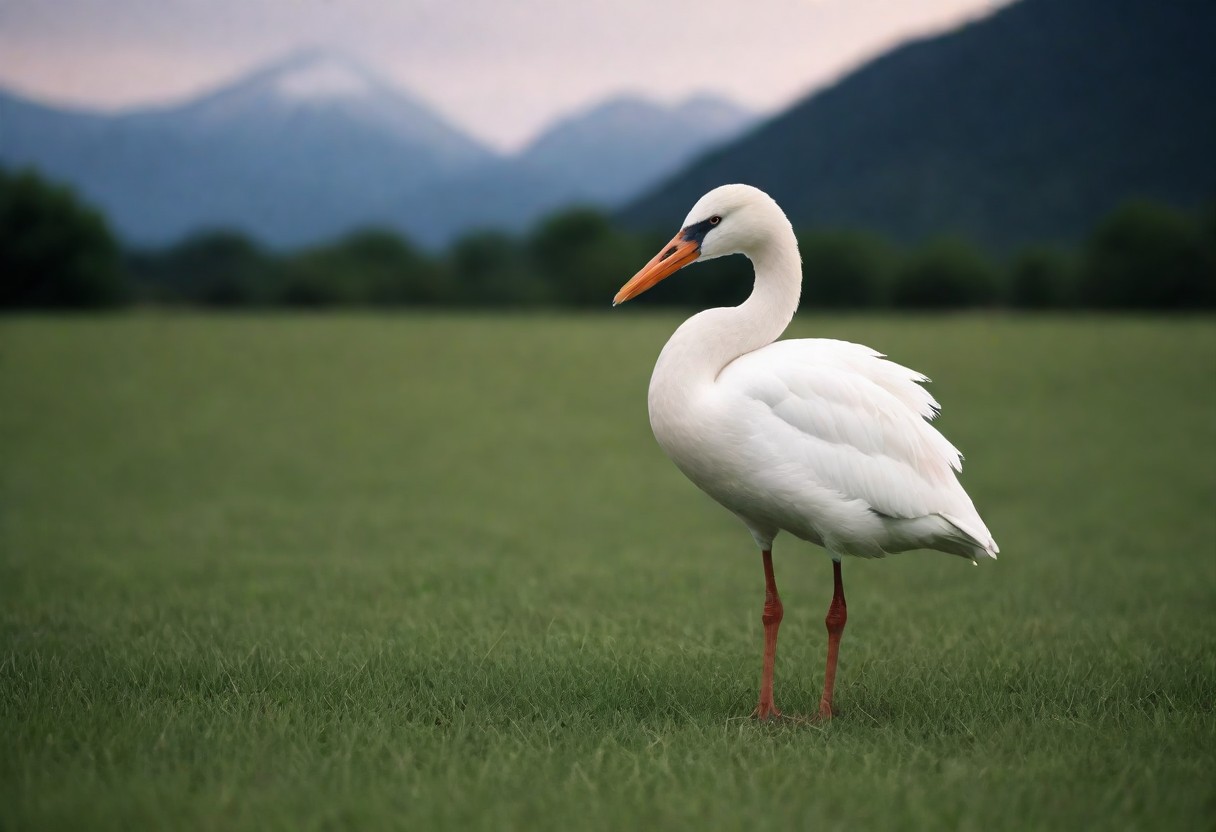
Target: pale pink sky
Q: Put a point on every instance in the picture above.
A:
(502, 69)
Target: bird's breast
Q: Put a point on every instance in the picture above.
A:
(681, 418)
(689, 426)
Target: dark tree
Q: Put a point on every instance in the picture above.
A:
(370, 267)
(1147, 256)
(215, 268)
(490, 268)
(845, 269)
(55, 252)
(1041, 278)
(946, 273)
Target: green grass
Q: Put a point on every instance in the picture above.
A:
(427, 572)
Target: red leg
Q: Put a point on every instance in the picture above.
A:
(772, 620)
(838, 614)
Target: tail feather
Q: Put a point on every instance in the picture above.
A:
(975, 536)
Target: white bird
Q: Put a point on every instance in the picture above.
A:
(823, 439)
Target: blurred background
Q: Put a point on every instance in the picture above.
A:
(942, 153)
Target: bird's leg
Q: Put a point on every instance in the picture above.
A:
(772, 620)
(837, 615)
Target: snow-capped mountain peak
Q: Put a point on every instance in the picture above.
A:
(323, 77)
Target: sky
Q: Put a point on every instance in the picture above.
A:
(501, 69)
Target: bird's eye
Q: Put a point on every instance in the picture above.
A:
(715, 220)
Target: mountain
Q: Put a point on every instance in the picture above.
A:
(610, 152)
(1025, 126)
(316, 145)
(316, 89)
(306, 148)
(503, 194)
(599, 157)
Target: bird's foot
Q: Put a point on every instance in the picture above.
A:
(825, 712)
(766, 711)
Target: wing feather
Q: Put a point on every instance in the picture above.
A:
(849, 420)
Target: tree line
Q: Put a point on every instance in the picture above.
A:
(56, 252)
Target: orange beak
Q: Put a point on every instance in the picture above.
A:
(674, 256)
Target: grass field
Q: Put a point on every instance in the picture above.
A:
(428, 572)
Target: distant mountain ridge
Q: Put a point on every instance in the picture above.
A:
(289, 167)
(316, 145)
(316, 83)
(610, 151)
(1025, 126)
(601, 156)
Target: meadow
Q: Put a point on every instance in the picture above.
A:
(432, 572)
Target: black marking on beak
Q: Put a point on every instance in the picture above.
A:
(667, 254)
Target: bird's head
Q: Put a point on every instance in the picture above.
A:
(730, 219)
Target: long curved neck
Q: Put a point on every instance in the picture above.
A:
(707, 342)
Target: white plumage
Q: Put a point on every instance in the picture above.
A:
(824, 439)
